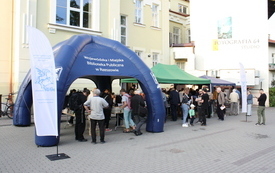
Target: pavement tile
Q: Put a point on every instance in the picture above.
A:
(230, 146)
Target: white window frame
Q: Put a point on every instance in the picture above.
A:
(123, 26)
(183, 9)
(139, 53)
(155, 58)
(95, 20)
(176, 36)
(139, 11)
(80, 11)
(180, 64)
(155, 15)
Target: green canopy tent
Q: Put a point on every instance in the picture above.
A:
(172, 74)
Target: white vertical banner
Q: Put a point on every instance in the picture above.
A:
(43, 77)
(244, 88)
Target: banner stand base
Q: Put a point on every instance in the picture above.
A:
(54, 157)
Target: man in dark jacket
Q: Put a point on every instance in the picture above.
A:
(204, 106)
(137, 103)
(80, 119)
(174, 100)
(107, 111)
(261, 108)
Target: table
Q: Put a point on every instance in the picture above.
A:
(117, 110)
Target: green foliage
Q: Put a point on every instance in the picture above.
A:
(272, 97)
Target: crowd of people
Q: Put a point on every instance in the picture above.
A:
(186, 103)
(201, 103)
(97, 108)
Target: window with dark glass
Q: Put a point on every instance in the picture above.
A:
(74, 12)
(123, 29)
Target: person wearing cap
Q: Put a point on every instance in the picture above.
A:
(192, 114)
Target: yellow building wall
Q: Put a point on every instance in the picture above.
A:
(43, 18)
(145, 36)
(38, 13)
(6, 20)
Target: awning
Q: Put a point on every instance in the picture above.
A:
(172, 74)
(218, 82)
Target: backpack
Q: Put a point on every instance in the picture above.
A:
(73, 102)
(128, 101)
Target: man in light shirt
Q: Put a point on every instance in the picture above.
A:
(94, 105)
(234, 102)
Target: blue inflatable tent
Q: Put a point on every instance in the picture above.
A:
(100, 60)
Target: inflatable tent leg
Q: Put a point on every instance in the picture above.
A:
(22, 107)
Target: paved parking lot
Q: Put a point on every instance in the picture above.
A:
(229, 146)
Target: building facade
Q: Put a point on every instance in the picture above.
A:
(159, 31)
(141, 25)
(224, 38)
(181, 48)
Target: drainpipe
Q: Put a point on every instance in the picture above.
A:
(11, 54)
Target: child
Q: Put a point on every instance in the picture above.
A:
(192, 114)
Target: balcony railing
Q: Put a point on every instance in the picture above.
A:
(271, 66)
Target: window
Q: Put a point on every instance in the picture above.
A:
(176, 35)
(189, 35)
(138, 11)
(170, 38)
(123, 32)
(155, 15)
(155, 59)
(182, 9)
(74, 12)
(138, 52)
(181, 65)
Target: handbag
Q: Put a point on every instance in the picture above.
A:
(142, 110)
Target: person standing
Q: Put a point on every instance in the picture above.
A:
(174, 100)
(165, 103)
(67, 103)
(126, 106)
(220, 104)
(234, 102)
(107, 111)
(80, 118)
(261, 108)
(249, 103)
(198, 101)
(192, 114)
(94, 105)
(138, 105)
(185, 108)
(204, 106)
